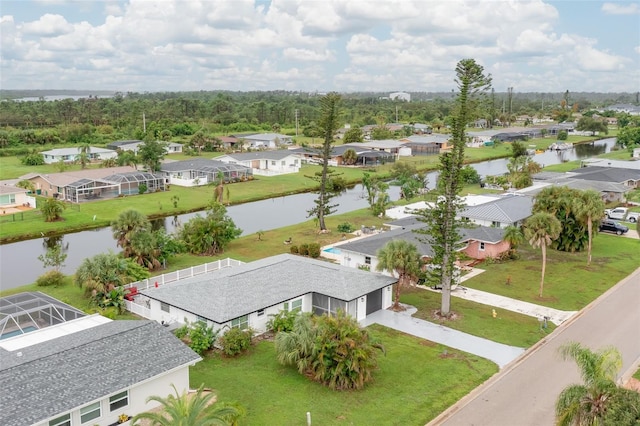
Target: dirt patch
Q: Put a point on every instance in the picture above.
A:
(633, 384)
(452, 316)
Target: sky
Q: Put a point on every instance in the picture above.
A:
(318, 45)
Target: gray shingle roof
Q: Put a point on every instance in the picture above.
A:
(225, 294)
(509, 209)
(605, 174)
(370, 245)
(199, 164)
(59, 375)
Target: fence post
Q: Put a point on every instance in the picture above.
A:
(192, 271)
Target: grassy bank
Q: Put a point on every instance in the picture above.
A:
(415, 382)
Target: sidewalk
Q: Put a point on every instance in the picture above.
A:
(556, 316)
(403, 321)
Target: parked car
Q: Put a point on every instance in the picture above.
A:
(622, 213)
(613, 226)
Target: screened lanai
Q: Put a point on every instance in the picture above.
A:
(205, 171)
(112, 186)
(25, 312)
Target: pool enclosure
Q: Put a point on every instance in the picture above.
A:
(25, 312)
(112, 186)
(200, 171)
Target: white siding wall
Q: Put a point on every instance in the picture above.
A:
(362, 308)
(138, 395)
(387, 297)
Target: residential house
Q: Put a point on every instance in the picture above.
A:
(365, 156)
(627, 108)
(91, 184)
(69, 155)
(11, 197)
(134, 146)
(201, 171)
(421, 129)
(477, 243)
(431, 144)
(267, 163)
(609, 190)
(246, 295)
(626, 177)
(265, 140)
(63, 367)
(606, 162)
(510, 210)
(230, 142)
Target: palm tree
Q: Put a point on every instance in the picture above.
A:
(84, 155)
(514, 236)
(125, 226)
(297, 347)
(541, 229)
(589, 207)
(191, 410)
(26, 184)
(587, 404)
(401, 257)
(102, 273)
(144, 249)
(52, 209)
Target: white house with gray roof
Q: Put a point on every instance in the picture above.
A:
(68, 155)
(65, 368)
(265, 140)
(246, 295)
(504, 211)
(266, 163)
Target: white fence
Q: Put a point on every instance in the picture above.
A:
(184, 273)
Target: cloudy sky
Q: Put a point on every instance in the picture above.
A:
(318, 45)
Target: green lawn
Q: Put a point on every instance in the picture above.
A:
(569, 284)
(415, 381)
(508, 327)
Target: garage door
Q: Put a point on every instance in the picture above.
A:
(374, 301)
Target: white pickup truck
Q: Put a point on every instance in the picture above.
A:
(622, 213)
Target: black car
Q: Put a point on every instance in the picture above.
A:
(613, 226)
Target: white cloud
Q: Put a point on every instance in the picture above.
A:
(48, 25)
(621, 8)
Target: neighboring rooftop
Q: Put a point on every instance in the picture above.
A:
(59, 375)
(226, 294)
(29, 311)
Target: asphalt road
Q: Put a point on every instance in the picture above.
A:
(524, 393)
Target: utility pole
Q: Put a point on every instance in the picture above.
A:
(144, 123)
(296, 111)
(510, 91)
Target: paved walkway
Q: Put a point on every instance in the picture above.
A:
(403, 321)
(556, 316)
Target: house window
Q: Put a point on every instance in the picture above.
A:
(201, 319)
(273, 163)
(285, 306)
(295, 162)
(296, 305)
(118, 400)
(164, 307)
(90, 412)
(61, 421)
(482, 246)
(327, 305)
(283, 163)
(242, 323)
(367, 260)
(261, 312)
(495, 224)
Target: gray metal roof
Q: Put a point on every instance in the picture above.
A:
(225, 294)
(201, 164)
(508, 209)
(59, 375)
(261, 155)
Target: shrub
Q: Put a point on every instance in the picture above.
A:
(181, 332)
(142, 188)
(304, 249)
(201, 337)
(294, 250)
(346, 228)
(314, 250)
(33, 160)
(50, 278)
(563, 135)
(110, 312)
(235, 341)
(282, 321)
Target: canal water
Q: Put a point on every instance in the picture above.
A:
(19, 264)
